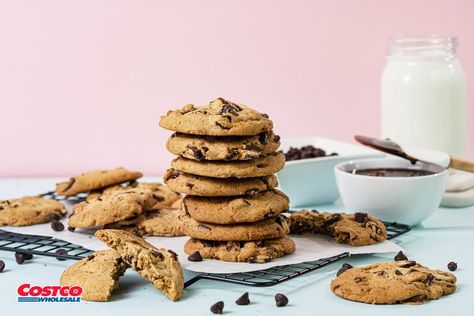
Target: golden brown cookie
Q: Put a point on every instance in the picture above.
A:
(219, 118)
(263, 166)
(358, 229)
(163, 222)
(240, 209)
(241, 251)
(159, 266)
(204, 186)
(97, 274)
(29, 210)
(94, 180)
(112, 208)
(226, 148)
(266, 229)
(393, 282)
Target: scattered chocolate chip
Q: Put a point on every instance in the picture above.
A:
(21, 257)
(195, 257)
(2, 266)
(204, 227)
(54, 217)
(61, 251)
(217, 308)
(263, 138)
(408, 264)
(159, 198)
(415, 299)
(304, 153)
(69, 184)
(400, 256)
(281, 300)
(71, 229)
(360, 217)
(243, 300)
(452, 266)
(231, 155)
(342, 270)
(253, 147)
(196, 153)
(334, 218)
(347, 265)
(57, 226)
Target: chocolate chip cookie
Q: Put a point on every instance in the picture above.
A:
(222, 148)
(94, 180)
(29, 210)
(266, 229)
(164, 222)
(240, 209)
(159, 266)
(205, 186)
(393, 282)
(219, 118)
(358, 229)
(164, 196)
(241, 251)
(263, 166)
(111, 208)
(97, 274)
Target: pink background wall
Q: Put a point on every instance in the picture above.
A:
(83, 83)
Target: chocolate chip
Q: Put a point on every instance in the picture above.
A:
(159, 198)
(217, 308)
(205, 149)
(1, 208)
(357, 279)
(231, 155)
(196, 153)
(231, 108)
(204, 227)
(195, 257)
(57, 226)
(243, 300)
(281, 300)
(174, 254)
(381, 273)
(397, 272)
(347, 266)
(429, 279)
(452, 266)
(342, 270)
(276, 138)
(251, 191)
(263, 138)
(61, 251)
(185, 207)
(21, 257)
(2, 266)
(71, 229)
(53, 217)
(408, 264)
(222, 126)
(90, 257)
(136, 233)
(157, 254)
(69, 184)
(279, 220)
(265, 115)
(189, 185)
(334, 218)
(174, 174)
(415, 299)
(229, 246)
(400, 256)
(360, 217)
(253, 147)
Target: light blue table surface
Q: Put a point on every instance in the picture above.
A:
(447, 236)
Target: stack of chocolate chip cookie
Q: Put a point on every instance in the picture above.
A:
(227, 157)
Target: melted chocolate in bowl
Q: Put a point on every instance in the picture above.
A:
(392, 172)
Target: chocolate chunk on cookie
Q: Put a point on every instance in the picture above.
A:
(392, 283)
(94, 180)
(112, 208)
(357, 229)
(222, 148)
(260, 251)
(266, 229)
(263, 166)
(205, 186)
(219, 118)
(163, 222)
(241, 209)
(29, 210)
(97, 274)
(159, 266)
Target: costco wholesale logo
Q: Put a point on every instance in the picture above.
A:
(49, 294)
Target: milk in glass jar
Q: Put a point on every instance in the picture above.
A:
(423, 95)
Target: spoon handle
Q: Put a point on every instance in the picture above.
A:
(461, 164)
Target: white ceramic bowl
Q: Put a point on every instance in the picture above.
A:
(310, 182)
(407, 200)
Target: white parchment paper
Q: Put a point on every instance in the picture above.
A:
(308, 248)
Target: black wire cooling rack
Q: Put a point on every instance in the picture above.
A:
(49, 246)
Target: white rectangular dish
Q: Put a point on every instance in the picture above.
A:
(311, 181)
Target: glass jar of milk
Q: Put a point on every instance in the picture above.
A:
(423, 95)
